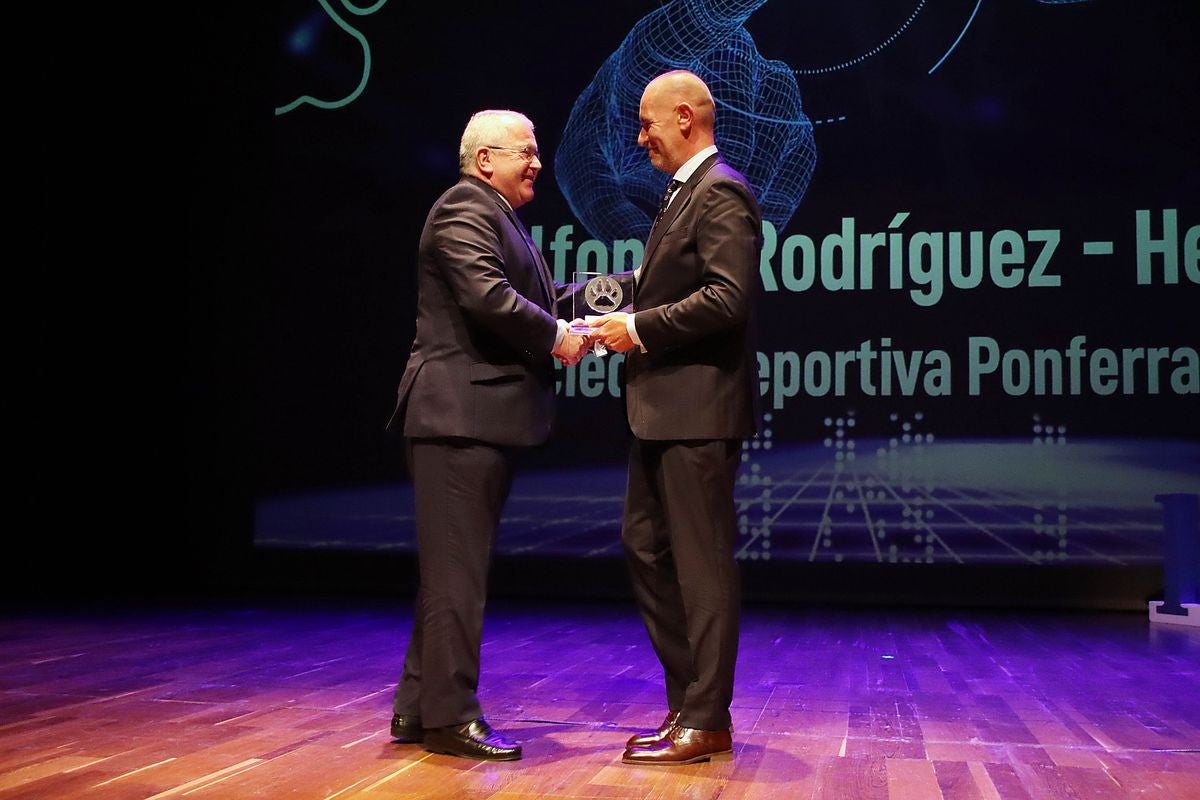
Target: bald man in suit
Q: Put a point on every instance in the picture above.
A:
(479, 382)
(689, 399)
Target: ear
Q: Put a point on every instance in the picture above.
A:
(685, 115)
(483, 162)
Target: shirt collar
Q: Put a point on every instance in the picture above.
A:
(508, 207)
(689, 166)
(503, 201)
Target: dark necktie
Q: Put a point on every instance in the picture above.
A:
(666, 199)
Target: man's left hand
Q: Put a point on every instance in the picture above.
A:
(611, 331)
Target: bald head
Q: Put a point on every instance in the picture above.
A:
(683, 87)
(677, 119)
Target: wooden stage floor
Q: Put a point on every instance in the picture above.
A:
(291, 700)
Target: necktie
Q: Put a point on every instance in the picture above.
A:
(666, 199)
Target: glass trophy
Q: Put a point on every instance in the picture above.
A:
(601, 294)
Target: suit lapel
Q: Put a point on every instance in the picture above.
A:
(539, 263)
(544, 278)
(546, 301)
(682, 198)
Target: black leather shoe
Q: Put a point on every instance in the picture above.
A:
(407, 728)
(475, 739)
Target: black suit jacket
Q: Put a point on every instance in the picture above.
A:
(480, 366)
(692, 311)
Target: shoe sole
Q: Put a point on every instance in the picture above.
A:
(407, 739)
(720, 755)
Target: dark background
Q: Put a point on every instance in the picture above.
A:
(223, 301)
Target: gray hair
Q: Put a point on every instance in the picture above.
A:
(482, 129)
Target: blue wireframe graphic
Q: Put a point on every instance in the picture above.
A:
(762, 129)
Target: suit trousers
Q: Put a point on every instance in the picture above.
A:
(679, 531)
(460, 488)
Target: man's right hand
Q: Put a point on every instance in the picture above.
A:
(571, 349)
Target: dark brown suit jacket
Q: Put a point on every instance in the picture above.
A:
(692, 306)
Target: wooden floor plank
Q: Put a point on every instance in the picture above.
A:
(912, 779)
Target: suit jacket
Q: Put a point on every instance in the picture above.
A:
(692, 312)
(480, 365)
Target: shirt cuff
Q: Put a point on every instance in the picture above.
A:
(562, 333)
(632, 330)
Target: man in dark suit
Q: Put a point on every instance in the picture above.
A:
(479, 381)
(689, 398)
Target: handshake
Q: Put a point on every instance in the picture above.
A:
(598, 334)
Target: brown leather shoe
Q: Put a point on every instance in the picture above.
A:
(646, 738)
(681, 746)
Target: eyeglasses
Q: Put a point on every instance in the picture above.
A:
(528, 152)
